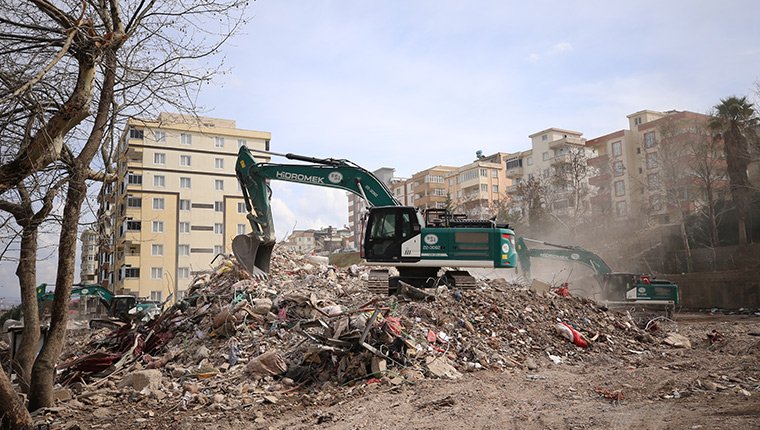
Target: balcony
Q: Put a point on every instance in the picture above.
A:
(512, 189)
(134, 155)
(515, 172)
(600, 181)
(571, 141)
(600, 161)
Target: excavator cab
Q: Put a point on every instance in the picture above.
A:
(387, 229)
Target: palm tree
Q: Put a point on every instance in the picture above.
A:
(735, 121)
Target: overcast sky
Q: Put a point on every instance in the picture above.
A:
(414, 84)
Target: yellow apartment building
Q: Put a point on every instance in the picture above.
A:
(177, 203)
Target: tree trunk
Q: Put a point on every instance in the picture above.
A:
(712, 222)
(14, 415)
(686, 246)
(43, 371)
(26, 271)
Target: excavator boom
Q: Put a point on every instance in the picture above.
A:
(254, 250)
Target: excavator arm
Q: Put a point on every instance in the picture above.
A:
(570, 254)
(254, 250)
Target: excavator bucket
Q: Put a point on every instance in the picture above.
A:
(253, 253)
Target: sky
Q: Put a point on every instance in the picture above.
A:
(410, 85)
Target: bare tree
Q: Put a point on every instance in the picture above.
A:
(529, 202)
(115, 58)
(29, 219)
(570, 174)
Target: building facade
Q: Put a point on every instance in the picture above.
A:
(177, 202)
(643, 171)
(88, 267)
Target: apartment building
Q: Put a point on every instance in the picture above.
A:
(476, 187)
(88, 267)
(429, 187)
(356, 204)
(548, 148)
(636, 165)
(177, 203)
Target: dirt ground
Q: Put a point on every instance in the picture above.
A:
(707, 386)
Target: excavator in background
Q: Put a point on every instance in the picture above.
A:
(418, 244)
(119, 308)
(612, 288)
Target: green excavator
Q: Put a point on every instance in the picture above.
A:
(119, 308)
(428, 248)
(613, 288)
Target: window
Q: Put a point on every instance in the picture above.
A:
(158, 203)
(134, 202)
(439, 192)
(529, 160)
(495, 189)
(653, 180)
(157, 250)
(617, 168)
(184, 205)
(514, 163)
(158, 226)
(468, 175)
(494, 173)
(218, 228)
(136, 133)
(218, 249)
(241, 229)
(619, 188)
(484, 173)
(241, 207)
(241, 143)
(483, 188)
(655, 203)
(184, 182)
(219, 142)
(546, 155)
(133, 225)
(183, 250)
(134, 179)
(617, 149)
(159, 181)
(184, 227)
(219, 206)
(544, 138)
(621, 208)
(219, 163)
(652, 160)
(186, 139)
(434, 179)
(159, 136)
(637, 120)
(649, 139)
(184, 160)
(155, 296)
(183, 272)
(159, 158)
(131, 272)
(218, 184)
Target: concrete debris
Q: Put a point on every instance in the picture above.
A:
(677, 340)
(234, 341)
(142, 379)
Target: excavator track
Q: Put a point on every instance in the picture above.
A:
(378, 281)
(461, 279)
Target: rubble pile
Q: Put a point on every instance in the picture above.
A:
(310, 324)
